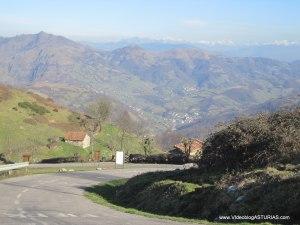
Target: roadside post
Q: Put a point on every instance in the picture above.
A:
(26, 158)
(119, 159)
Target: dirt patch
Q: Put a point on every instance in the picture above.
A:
(45, 101)
(66, 126)
(30, 121)
(5, 93)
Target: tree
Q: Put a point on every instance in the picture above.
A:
(187, 144)
(168, 139)
(147, 145)
(99, 112)
(127, 125)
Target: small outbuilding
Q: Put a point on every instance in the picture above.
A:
(78, 138)
(195, 147)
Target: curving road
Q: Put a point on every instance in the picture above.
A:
(51, 199)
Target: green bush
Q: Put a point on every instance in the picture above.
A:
(41, 110)
(168, 196)
(255, 142)
(203, 195)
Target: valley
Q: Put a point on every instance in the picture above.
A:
(171, 89)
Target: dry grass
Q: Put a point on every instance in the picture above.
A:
(5, 94)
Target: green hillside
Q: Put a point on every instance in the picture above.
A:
(250, 167)
(27, 121)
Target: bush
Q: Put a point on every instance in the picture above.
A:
(158, 158)
(177, 159)
(34, 107)
(201, 195)
(61, 160)
(255, 142)
(136, 158)
(167, 196)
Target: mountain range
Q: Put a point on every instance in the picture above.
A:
(279, 50)
(185, 88)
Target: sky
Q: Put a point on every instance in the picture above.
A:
(237, 21)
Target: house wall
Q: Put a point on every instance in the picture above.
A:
(86, 141)
(84, 144)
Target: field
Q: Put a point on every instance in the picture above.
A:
(27, 121)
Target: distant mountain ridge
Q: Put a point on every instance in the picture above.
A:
(171, 88)
(278, 50)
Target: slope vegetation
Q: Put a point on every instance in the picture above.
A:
(249, 168)
(28, 123)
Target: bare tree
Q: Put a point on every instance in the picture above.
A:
(168, 139)
(127, 125)
(187, 144)
(99, 112)
(147, 145)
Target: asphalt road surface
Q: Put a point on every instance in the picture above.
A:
(51, 199)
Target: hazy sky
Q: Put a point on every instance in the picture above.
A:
(191, 20)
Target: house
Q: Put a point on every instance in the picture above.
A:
(195, 146)
(78, 138)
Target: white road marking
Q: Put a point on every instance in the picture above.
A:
(42, 215)
(25, 190)
(32, 215)
(90, 215)
(16, 202)
(61, 215)
(11, 215)
(19, 196)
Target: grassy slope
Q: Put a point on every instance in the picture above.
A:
(104, 194)
(194, 196)
(228, 182)
(18, 136)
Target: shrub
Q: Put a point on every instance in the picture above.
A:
(274, 198)
(202, 195)
(166, 195)
(177, 159)
(61, 160)
(158, 158)
(137, 158)
(74, 117)
(34, 107)
(255, 142)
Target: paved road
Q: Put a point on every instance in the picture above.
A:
(51, 199)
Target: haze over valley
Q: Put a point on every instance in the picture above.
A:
(179, 88)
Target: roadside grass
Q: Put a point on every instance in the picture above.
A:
(104, 194)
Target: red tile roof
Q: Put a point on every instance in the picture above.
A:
(196, 146)
(75, 136)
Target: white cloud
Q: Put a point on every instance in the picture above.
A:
(283, 42)
(217, 42)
